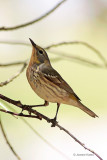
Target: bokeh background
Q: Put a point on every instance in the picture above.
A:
(80, 20)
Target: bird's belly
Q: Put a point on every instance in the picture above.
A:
(51, 94)
(48, 92)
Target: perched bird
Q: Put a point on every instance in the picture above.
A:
(48, 84)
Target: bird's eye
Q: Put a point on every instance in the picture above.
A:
(40, 51)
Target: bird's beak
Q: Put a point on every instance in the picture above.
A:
(34, 52)
(33, 44)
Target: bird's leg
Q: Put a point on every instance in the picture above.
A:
(57, 111)
(55, 118)
(46, 103)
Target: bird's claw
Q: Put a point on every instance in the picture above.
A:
(24, 108)
(54, 122)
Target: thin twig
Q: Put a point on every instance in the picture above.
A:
(78, 59)
(38, 134)
(13, 77)
(15, 43)
(23, 62)
(19, 72)
(75, 58)
(82, 43)
(41, 116)
(33, 21)
(82, 144)
(1, 104)
(12, 64)
(7, 141)
(32, 116)
(20, 114)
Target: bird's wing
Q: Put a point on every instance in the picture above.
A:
(53, 76)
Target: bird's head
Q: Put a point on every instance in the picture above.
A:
(39, 55)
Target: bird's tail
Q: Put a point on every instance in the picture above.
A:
(87, 110)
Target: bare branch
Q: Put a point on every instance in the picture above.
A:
(33, 21)
(12, 64)
(7, 141)
(1, 104)
(82, 144)
(82, 43)
(13, 77)
(20, 114)
(78, 59)
(19, 72)
(15, 43)
(23, 62)
(32, 116)
(41, 116)
(38, 134)
(74, 58)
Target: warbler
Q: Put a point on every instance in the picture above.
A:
(48, 84)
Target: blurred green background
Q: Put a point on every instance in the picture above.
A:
(80, 20)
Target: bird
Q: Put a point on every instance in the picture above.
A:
(48, 84)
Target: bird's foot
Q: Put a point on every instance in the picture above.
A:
(54, 122)
(24, 108)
